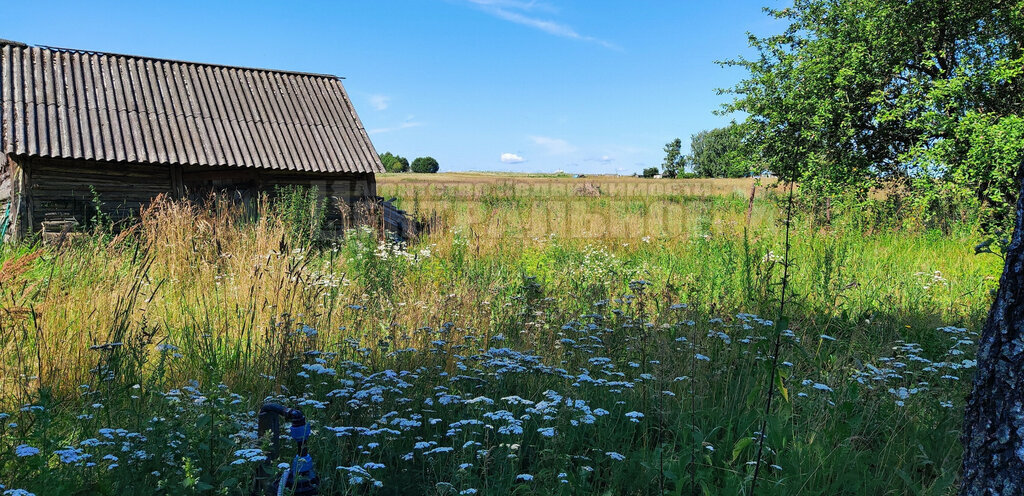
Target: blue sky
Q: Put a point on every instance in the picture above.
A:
(590, 86)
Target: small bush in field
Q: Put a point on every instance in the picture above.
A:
(425, 165)
(303, 209)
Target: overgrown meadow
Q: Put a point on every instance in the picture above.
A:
(544, 336)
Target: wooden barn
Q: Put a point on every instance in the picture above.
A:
(79, 125)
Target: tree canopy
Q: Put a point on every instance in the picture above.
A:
(674, 159)
(719, 152)
(924, 95)
(394, 163)
(425, 165)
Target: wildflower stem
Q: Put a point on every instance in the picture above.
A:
(693, 412)
(775, 345)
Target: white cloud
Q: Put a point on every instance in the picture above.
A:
(512, 11)
(408, 123)
(511, 158)
(380, 102)
(553, 146)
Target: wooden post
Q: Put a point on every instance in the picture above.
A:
(371, 185)
(21, 199)
(177, 183)
(5, 196)
(750, 203)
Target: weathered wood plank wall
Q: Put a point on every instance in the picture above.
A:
(59, 189)
(64, 189)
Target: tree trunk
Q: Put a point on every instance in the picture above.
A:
(993, 436)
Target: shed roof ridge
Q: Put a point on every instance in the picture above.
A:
(82, 51)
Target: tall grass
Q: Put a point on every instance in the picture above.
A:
(534, 341)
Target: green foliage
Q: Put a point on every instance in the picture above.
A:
(303, 209)
(992, 167)
(99, 220)
(425, 165)
(377, 263)
(919, 97)
(983, 165)
(502, 196)
(719, 152)
(650, 172)
(394, 163)
(674, 161)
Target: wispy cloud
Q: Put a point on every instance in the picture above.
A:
(553, 146)
(532, 5)
(380, 102)
(520, 12)
(604, 159)
(511, 158)
(408, 123)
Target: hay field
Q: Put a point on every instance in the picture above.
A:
(540, 338)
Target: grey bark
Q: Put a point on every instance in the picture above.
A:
(993, 436)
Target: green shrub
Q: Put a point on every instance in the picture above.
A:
(303, 209)
(425, 165)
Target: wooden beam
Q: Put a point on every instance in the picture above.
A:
(177, 183)
(21, 198)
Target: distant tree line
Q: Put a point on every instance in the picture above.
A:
(713, 153)
(397, 163)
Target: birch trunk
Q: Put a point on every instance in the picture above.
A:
(993, 436)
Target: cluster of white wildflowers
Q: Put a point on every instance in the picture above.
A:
(597, 264)
(362, 245)
(390, 247)
(932, 279)
(470, 411)
(909, 373)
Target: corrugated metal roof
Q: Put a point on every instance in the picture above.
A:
(96, 106)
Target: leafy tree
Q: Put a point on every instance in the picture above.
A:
(425, 164)
(650, 172)
(719, 152)
(674, 160)
(394, 163)
(856, 94)
(927, 96)
(387, 160)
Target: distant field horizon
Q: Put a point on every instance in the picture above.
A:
(606, 184)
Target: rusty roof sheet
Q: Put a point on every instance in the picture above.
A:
(63, 103)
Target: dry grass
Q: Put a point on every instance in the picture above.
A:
(211, 295)
(611, 185)
(495, 212)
